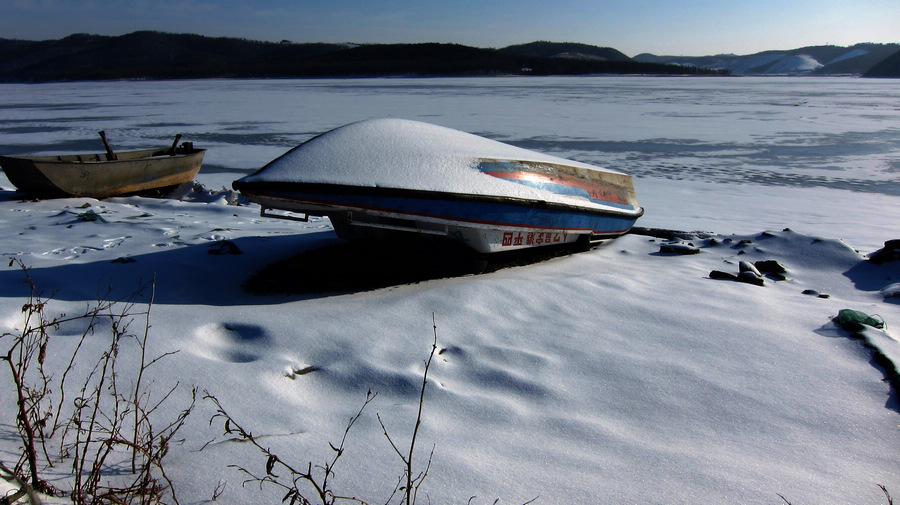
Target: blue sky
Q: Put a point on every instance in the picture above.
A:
(688, 27)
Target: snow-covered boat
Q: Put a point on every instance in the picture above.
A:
(376, 177)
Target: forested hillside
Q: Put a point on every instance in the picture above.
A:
(155, 55)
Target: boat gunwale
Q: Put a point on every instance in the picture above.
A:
(122, 157)
(275, 189)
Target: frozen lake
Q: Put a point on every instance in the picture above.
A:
(703, 149)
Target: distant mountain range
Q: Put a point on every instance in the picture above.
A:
(156, 55)
(871, 60)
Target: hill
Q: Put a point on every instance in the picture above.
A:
(889, 67)
(145, 54)
(158, 55)
(814, 60)
(565, 50)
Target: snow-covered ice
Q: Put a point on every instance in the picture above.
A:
(617, 375)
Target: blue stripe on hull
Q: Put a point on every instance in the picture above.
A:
(474, 212)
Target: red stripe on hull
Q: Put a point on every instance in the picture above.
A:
(596, 190)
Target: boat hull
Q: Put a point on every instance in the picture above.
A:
(487, 224)
(377, 178)
(92, 175)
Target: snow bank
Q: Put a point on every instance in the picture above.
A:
(625, 372)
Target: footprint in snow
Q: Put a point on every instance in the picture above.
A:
(231, 342)
(70, 253)
(115, 242)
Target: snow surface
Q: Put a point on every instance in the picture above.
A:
(405, 154)
(795, 63)
(769, 63)
(849, 54)
(618, 375)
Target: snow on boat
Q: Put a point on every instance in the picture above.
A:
(377, 177)
(104, 175)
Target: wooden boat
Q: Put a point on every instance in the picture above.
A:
(375, 178)
(106, 174)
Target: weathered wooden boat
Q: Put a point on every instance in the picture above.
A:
(378, 177)
(106, 174)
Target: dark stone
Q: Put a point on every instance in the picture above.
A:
(890, 252)
(751, 278)
(718, 274)
(679, 249)
(770, 266)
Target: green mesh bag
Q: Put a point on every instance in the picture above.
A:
(854, 320)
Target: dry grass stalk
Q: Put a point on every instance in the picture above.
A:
(105, 420)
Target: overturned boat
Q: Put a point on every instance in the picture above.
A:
(105, 174)
(380, 177)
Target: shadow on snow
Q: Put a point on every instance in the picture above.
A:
(259, 270)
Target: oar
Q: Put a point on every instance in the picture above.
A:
(110, 155)
(175, 143)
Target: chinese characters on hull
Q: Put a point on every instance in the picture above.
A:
(531, 238)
